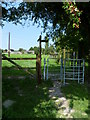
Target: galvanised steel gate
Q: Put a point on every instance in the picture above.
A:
(68, 69)
(51, 69)
(74, 70)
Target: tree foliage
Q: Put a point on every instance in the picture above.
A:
(59, 20)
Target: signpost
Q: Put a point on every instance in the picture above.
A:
(39, 60)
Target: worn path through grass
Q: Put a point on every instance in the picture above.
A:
(77, 95)
(70, 100)
(61, 103)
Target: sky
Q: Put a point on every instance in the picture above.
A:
(20, 37)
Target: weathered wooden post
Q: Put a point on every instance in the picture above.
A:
(64, 71)
(61, 69)
(44, 67)
(40, 46)
(9, 45)
(39, 40)
(38, 68)
(39, 61)
(68, 57)
(63, 55)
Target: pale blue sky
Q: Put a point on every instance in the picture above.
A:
(21, 37)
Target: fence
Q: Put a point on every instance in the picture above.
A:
(68, 69)
(38, 66)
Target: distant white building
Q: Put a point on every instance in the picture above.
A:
(15, 52)
(30, 52)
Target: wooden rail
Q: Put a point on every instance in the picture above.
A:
(38, 65)
(18, 66)
(4, 58)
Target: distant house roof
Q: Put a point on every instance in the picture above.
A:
(30, 51)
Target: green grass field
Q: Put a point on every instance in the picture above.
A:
(35, 101)
(10, 69)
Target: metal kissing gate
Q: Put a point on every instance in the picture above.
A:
(51, 69)
(68, 69)
(74, 70)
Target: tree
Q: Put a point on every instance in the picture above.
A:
(55, 14)
(5, 50)
(36, 50)
(31, 48)
(51, 49)
(20, 49)
(43, 51)
(63, 18)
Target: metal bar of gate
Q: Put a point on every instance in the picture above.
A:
(75, 72)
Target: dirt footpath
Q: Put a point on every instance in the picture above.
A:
(61, 103)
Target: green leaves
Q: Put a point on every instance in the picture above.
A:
(45, 109)
(74, 13)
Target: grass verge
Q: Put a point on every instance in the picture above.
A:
(77, 94)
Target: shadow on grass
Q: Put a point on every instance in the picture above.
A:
(87, 74)
(14, 71)
(34, 102)
(77, 94)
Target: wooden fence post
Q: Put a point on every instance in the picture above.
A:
(64, 71)
(9, 45)
(61, 69)
(44, 68)
(38, 69)
(39, 60)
